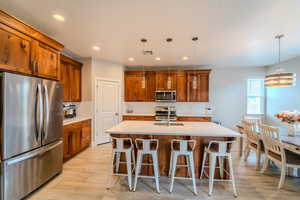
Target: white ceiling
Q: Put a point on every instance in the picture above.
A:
(232, 33)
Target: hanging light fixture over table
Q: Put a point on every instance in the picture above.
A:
(280, 78)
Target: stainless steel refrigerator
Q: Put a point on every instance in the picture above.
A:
(31, 119)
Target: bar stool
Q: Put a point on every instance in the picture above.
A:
(147, 147)
(221, 153)
(123, 145)
(186, 148)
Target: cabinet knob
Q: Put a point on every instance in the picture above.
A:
(116, 114)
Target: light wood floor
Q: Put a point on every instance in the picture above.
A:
(85, 176)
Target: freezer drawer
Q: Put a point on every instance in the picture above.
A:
(23, 174)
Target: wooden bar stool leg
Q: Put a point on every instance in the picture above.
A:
(212, 166)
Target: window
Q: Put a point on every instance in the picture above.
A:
(255, 97)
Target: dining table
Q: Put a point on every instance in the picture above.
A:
(291, 143)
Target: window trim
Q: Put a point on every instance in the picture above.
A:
(263, 98)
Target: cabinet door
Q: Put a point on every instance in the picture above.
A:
(76, 140)
(135, 87)
(197, 87)
(65, 80)
(47, 62)
(15, 50)
(181, 87)
(150, 86)
(75, 83)
(165, 80)
(67, 140)
(86, 134)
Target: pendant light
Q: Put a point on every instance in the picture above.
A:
(169, 79)
(194, 81)
(143, 40)
(280, 78)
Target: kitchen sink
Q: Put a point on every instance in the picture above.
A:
(168, 124)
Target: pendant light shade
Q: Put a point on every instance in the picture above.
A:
(280, 78)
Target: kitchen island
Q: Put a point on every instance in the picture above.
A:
(202, 132)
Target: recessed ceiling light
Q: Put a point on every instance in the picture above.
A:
(59, 17)
(185, 58)
(131, 59)
(157, 58)
(96, 48)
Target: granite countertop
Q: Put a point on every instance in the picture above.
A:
(189, 128)
(76, 119)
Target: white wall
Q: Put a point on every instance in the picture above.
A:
(281, 99)
(228, 90)
(227, 96)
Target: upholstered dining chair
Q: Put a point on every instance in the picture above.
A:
(275, 151)
(252, 141)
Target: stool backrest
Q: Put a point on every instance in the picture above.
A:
(223, 147)
(122, 143)
(250, 130)
(147, 144)
(271, 139)
(183, 145)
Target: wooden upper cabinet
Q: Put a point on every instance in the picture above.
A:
(190, 85)
(150, 85)
(165, 80)
(15, 51)
(46, 61)
(70, 77)
(76, 83)
(65, 80)
(135, 86)
(181, 86)
(26, 50)
(198, 86)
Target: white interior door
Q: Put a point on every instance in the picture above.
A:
(107, 108)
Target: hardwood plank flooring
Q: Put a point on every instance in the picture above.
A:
(85, 178)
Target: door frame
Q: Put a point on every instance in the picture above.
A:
(94, 125)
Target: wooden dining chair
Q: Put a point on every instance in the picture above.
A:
(276, 152)
(252, 141)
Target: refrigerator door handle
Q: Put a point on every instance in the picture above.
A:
(36, 122)
(40, 111)
(46, 112)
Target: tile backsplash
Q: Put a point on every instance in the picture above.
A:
(182, 108)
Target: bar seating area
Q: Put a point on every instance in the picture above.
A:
(180, 150)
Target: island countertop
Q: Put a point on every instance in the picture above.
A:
(205, 129)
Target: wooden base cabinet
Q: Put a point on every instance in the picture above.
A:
(76, 138)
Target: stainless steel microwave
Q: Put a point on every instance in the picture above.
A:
(165, 95)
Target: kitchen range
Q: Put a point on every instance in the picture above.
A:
(31, 120)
